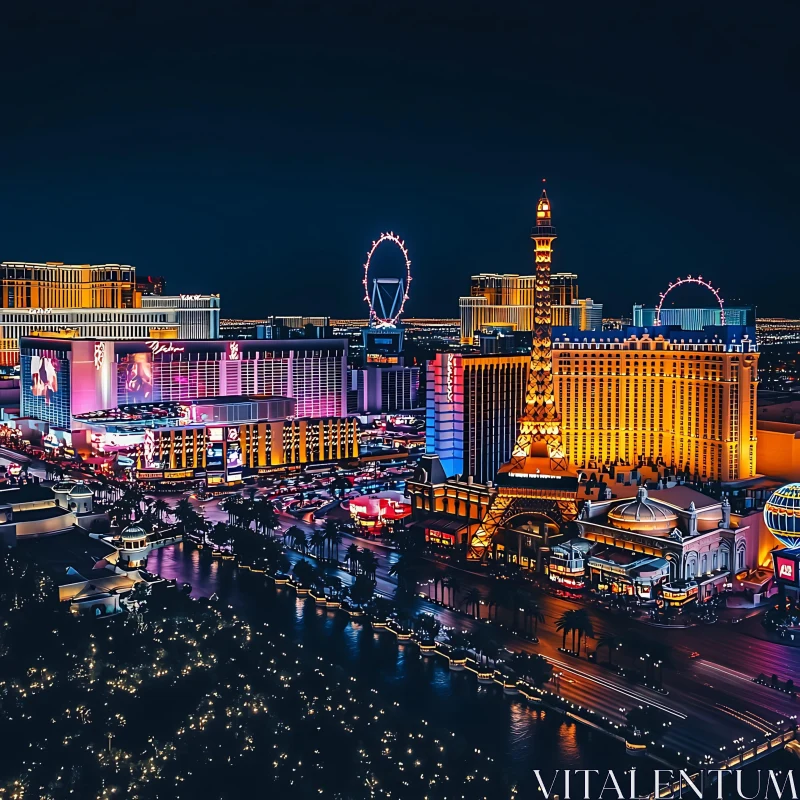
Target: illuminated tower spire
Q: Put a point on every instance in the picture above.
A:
(540, 425)
(538, 482)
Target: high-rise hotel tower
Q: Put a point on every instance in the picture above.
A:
(684, 399)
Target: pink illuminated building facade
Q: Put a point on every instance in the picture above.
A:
(64, 377)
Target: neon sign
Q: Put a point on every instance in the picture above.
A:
(149, 447)
(40, 310)
(99, 355)
(233, 351)
(157, 348)
(191, 296)
(449, 378)
(786, 569)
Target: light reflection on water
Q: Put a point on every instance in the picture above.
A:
(523, 737)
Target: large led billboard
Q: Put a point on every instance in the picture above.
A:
(137, 372)
(44, 376)
(45, 386)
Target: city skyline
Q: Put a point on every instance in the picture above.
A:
(194, 144)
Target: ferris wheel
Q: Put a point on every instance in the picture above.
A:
(698, 281)
(389, 295)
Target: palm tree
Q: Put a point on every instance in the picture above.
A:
(403, 569)
(334, 537)
(472, 598)
(436, 580)
(565, 624)
(301, 541)
(184, 511)
(351, 557)
(533, 612)
(266, 517)
(291, 534)
(582, 625)
(369, 563)
(317, 543)
(497, 595)
(161, 508)
(610, 641)
(455, 588)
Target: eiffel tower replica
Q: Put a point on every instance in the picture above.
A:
(538, 482)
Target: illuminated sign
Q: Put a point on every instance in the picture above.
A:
(191, 296)
(149, 447)
(159, 347)
(233, 351)
(786, 569)
(99, 354)
(184, 415)
(40, 310)
(535, 475)
(449, 378)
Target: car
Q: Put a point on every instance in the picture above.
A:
(694, 654)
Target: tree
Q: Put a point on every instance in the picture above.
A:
(472, 599)
(368, 563)
(317, 543)
(532, 612)
(455, 589)
(565, 625)
(304, 572)
(582, 625)
(497, 596)
(484, 644)
(290, 535)
(351, 557)
(427, 627)
(334, 538)
(184, 513)
(266, 517)
(532, 667)
(611, 642)
(220, 534)
(362, 590)
(161, 508)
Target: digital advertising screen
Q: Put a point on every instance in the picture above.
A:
(138, 376)
(215, 450)
(44, 377)
(233, 455)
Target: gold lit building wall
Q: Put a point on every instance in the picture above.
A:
(299, 441)
(57, 285)
(688, 405)
(497, 300)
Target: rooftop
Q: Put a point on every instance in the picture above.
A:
(72, 548)
(29, 493)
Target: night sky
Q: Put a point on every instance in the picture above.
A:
(256, 149)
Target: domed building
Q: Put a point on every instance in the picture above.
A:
(135, 546)
(667, 542)
(73, 496)
(644, 516)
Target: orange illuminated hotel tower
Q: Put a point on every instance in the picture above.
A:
(537, 490)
